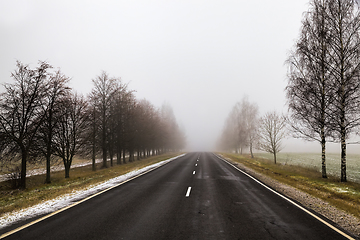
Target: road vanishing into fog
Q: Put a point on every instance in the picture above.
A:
(197, 196)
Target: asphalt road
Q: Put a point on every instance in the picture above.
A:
(197, 196)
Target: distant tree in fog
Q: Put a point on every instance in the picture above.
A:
(240, 127)
(248, 122)
(173, 138)
(228, 140)
(271, 132)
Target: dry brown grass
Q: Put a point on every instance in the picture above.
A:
(80, 178)
(345, 196)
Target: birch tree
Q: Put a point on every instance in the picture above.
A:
(309, 91)
(344, 21)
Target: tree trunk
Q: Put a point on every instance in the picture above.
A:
(48, 157)
(131, 155)
(343, 156)
(124, 158)
(104, 165)
(94, 142)
(48, 145)
(93, 159)
(111, 159)
(67, 170)
(343, 129)
(48, 180)
(342, 104)
(118, 157)
(323, 156)
(67, 165)
(251, 151)
(23, 169)
(274, 157)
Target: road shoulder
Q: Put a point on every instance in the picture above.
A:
(341, 218)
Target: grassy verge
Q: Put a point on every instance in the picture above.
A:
(344, 196)
(80, 178)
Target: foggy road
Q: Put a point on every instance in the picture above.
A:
(197, 196)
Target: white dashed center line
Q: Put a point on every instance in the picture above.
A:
(188, 192)
(195, 165)
(193, 172)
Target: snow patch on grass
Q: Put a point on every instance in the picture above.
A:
(71, 198)
(39, 171)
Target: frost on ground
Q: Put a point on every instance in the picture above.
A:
(71, 198)
(33, 172)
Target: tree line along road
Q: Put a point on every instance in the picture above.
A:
(197, 196)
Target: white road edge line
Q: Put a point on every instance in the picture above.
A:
(81, 201)
(188, 192)
(289, 200)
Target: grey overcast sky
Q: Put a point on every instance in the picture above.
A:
(199, 56)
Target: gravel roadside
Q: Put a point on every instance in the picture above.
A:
(341, 218)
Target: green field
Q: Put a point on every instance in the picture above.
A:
(313, 161)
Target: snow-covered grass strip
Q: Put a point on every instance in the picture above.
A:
(68, 199)
(39, 171)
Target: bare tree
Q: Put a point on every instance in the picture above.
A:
(130, 123)
(57, 88)
(252, 125)
(117, 104)
(157, 132)
(102, 95)
(68, 137)
(230, 132)
(344, 22)
(21, 109)
(271, 133)
(240, 127)
(118, 118)
(309, 90)
(247, 124)
(227, 141)
(91, 147)
(173, 137)
(145, 115)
